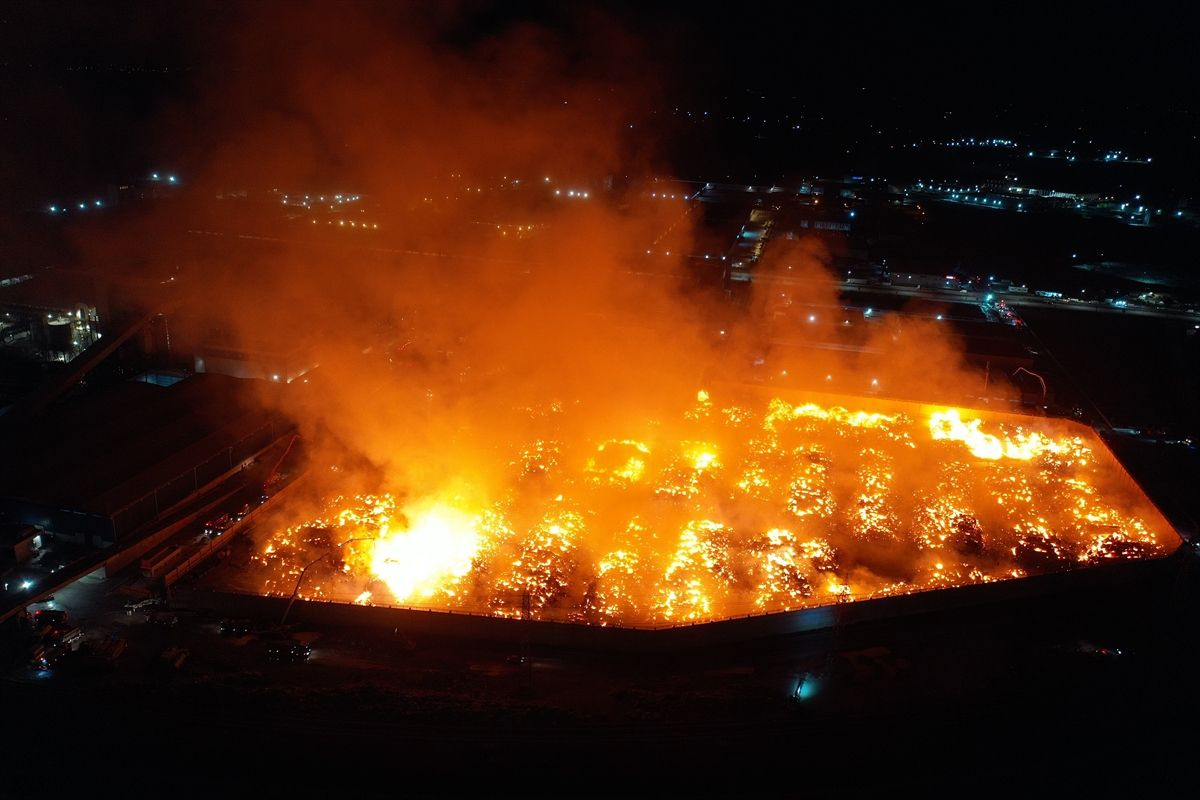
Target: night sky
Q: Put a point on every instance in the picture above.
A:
(94, 92)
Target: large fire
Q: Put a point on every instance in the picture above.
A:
(735, 508)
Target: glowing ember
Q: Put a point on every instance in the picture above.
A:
(736, 509)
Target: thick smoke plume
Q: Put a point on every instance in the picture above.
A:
(483, 295)
(480, 293)
(444, 224)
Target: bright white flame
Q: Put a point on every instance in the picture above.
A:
(436, 549)
(1020, 445)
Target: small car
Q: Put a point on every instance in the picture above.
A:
(217, 525)
(236, 627)
(288, 650)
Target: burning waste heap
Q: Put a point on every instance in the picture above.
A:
(738, 505)
(527, 373)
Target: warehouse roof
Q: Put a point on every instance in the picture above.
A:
(101, 451)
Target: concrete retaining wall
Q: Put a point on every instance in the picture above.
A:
(1129, 576)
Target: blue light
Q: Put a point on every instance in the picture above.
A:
(82, 206)
(153, 176)
(53, 209)
(852, 213)
(98, 204)
(171, 178)
(806, 687)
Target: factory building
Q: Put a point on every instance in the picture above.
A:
(257, 362)
(50, 315)
(96, 469)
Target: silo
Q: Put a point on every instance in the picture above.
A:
(59, 335)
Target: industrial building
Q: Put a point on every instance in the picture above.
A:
(50, 315)
(253, 361)
(94, 470)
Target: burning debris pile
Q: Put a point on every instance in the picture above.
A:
(733, 509)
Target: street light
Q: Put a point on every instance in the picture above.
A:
(303, 572)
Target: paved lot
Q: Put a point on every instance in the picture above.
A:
(1032, 690)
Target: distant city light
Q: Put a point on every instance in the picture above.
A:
(812, 317)
(53, 209)
(153, 176)
(82, 206)
(171, 178)
(98, 204)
